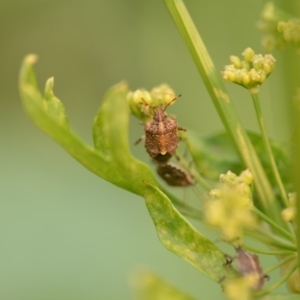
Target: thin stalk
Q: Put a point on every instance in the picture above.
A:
(193, 172)
(215, 87)
(270, 239)
(278, 283)
(279, 229)
(267, 252)
(184, 208)
(263, 131)
(279, 264)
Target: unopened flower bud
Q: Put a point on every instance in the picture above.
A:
(288, 214)
(246, 176)
(215, 194)
(281, 26)
(229, 76)
(235, 60)
(248, 54)
(162, 95)
(228, 177)
(137, 101)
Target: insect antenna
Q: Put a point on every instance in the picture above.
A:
(146, 104)
(171, 102)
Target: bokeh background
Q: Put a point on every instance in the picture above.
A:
(66, 234)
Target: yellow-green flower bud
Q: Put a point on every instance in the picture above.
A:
(137, 101)
(162, 95)
(262, 77)
(288, 214)
(257, 61)
(229, 207)
(248, 54)
(269, 63)
(281, 26)
(215, 194)
(268, 13)
(142, 102)
(229, 76)
(241, 287)
(245, 79)
(254, 76)
(235, 60)
(246, 65)
(246, 177)
(229, 177)
(238, 76)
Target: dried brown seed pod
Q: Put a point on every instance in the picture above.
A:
(174, 175)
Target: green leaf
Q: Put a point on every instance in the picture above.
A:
(148, 286)
(178, 236)
(215, 154)
(53, 105)
(49, 114)
(111, 158)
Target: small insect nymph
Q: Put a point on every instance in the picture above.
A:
(161, 134)
(247, 264)
(174, 175)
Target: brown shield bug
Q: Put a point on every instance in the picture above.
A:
(248, 263)
(161, 134)
(174, 175)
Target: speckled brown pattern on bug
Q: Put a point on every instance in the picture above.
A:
(161, 136)
(248, 263)
(174, 175)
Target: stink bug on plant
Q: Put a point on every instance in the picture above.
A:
(161, 134)
(248, 264)
(174, 175)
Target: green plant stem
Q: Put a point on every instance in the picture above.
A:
(224, 107)
(279, 264)
(267, 252)
(279, 229)
(270, 239)
(263, 131)
(278, 283)
(193, 172)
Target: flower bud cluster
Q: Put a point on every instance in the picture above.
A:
(279, 28)
(240, 287)
(289, 213)
(250, 72)
(142, 102)
(290, 31)
(229, 207)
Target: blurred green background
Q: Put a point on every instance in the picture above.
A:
(66, 234)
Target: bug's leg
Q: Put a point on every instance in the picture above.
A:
(140, 139)
(266, 277)
(181, 128)
(229, 260)
(171, 102)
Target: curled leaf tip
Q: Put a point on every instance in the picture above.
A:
(31, 59)
(49, 86)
